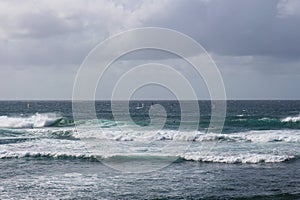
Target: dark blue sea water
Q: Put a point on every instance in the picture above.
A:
(43, 155)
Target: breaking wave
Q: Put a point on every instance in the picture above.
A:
(229, 159)
(291, 119)
(35, 121)
(240, 158)
(290, 136)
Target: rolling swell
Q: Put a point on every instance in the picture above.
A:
(265, 123)
(62, 122)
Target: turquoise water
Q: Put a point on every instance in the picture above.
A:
(43, 155)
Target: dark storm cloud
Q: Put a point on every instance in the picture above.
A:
(236, 27)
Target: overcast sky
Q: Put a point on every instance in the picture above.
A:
(255, 43)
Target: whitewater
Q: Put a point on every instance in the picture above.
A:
(53, 136)
(46, 154)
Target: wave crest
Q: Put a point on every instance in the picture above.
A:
(196, 157)
(291, 119)
(289, 136)
(35, 121)
(241, 158)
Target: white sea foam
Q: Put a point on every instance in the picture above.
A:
(230, 159)
(238, 158)
(37, 120)
(260, 136)
(291, 136)
(44, 147)
(76, 149)
(291, 119)
(79, 149)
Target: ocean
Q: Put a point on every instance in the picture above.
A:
(46, 154)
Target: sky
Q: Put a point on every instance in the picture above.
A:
(255, 44)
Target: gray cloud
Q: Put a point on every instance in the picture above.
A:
(236, 27)
(62, 32)
(40, 39)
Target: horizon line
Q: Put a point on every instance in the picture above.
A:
(152, 100)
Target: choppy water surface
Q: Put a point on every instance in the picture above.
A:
(43, 155)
